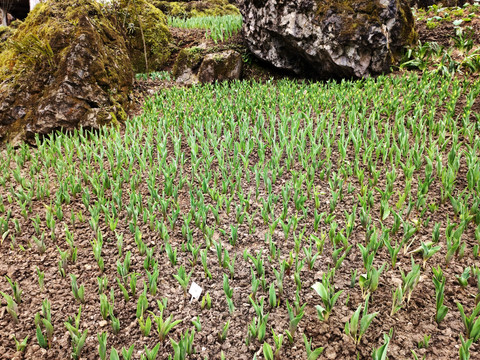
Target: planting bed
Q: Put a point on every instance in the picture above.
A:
(293, 178)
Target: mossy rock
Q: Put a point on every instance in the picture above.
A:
(188, 59)
(196, 8)
(142, 17)
(354, 13)
(328, 38)
(5, 32)
(221, 66)
(66, 66)
(348, 7)
(200, 64)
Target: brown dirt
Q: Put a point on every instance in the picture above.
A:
(410, 324)
(444, 32)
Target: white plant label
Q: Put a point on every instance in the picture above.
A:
(195, 291)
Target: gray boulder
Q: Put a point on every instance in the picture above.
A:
(349, 38)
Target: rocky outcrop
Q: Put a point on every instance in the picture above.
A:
(427, 3)
(198, 65)
(221, 66)
(66, 66)
(348, 38)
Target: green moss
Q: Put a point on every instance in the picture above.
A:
(35, 61)
(15, 24)
(197, 8)
(4, 30)
(5, 34)
(141, 16)
(188, 58)
(55, 23)
(432, 25)
(408, 34)
(368, 7)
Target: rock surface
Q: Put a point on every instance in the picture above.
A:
(199, 65)
(186, 65)
(427, 3)
(66, 66)
(225, 65)
(196, 8)
(348, 38)
(5, 33)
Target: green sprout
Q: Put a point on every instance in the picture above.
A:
(20, 345)
(381, 352)
(356, 327)
(78, 292)
(164, 326)
(471, 323)
(328, 296)
(77, 337)
(312, 354)
(102, 345)
(17, 292)
(464, 350)
(206, 301)
(439, 283)
(222, 335)
(184, 347)
(12, 307)
(463, 279)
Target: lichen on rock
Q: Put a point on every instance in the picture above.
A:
(141, 16)
(66, 66)
(346, 38)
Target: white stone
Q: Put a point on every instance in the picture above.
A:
(195, 291)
